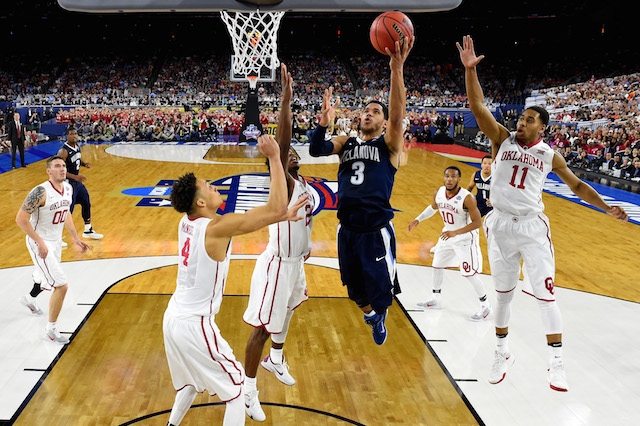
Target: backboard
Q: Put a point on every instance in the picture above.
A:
(124, 6)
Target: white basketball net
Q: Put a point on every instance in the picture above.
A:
(255, 40)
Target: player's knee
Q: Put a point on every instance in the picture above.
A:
(551, 317)
(62, 288)
(504, 298)
(259, 335)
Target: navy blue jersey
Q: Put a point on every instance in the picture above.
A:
(365, 181)
(73, 159)
(483, 186)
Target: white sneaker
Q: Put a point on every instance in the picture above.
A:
(35, 309)
(281, 371)
(482, 314)
(501, 364)
(430, 304)
(55, 337)
(252, 407)
(556, 377)
(92, 234)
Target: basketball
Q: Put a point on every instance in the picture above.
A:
(388, 28)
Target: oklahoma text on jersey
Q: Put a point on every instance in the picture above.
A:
(523, 157)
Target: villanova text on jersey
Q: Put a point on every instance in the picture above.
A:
(365, 181)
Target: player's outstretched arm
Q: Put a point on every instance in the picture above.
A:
(426, 214)
(486, 121)
(397, 97)
(35, 199)
(274, 211)
(585, 191)
(318, 145)
(284, 129)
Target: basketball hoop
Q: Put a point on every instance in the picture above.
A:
(253, 81)
(255, 40)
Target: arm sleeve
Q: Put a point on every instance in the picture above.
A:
(426, 214)
(318, 145)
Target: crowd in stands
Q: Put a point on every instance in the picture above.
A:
(128, 99)
(205, 80)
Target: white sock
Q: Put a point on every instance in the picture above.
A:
(502, 343)
(52, 326)
(276, 355)
(370, 313)
(555, 352)
(87, 227)
(250, 384)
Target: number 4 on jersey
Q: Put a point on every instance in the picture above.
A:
(185, 251)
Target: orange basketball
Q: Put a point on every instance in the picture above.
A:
(388, 28)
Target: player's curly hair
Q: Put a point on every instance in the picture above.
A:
(183, 193)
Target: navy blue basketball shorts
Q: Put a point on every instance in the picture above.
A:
(80, 196)
(368, 265)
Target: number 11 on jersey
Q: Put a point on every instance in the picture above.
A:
(525, 170)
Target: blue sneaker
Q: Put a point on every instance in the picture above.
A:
(377, 326)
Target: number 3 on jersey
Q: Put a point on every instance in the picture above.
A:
(185, 251)
(358, 173)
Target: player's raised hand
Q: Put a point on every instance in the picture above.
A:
(287, 83)
(399, 56)
(619, 213)
(328, 110)
(292, 213)
(268, 146)
(468, 53)
(413, 224)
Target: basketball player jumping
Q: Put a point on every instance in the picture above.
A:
(278, 283)
(199, 358)
(517, 228)
(42, 216)
(368, 164)
(459, 244)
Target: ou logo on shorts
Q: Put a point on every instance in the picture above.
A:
(548, 284)
(466, 267)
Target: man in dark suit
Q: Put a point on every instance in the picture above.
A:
(15, 134)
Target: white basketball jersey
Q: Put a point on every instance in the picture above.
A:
(517, 177)
(293, 239)
(452, 209)
(48, 220)
(201, 280)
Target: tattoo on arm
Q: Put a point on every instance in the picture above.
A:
(34, 199)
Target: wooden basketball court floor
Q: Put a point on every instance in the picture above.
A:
(432, 370)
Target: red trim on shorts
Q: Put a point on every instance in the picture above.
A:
(508, 291)
(239, 370)
(548, 236)
(204, 333)
(533, 295)
(50, 280)
(289, 237)
(265, 292)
